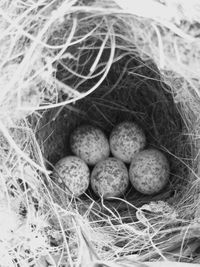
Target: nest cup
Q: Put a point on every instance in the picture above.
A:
(133, 90)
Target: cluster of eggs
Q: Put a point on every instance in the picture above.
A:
(146, 169)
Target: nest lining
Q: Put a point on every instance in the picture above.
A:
(133, 90)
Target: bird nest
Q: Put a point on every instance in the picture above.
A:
(68, 63)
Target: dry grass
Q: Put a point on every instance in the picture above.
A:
(54, 53)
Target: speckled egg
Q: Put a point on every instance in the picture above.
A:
(126, 139)
(90, 144)
(149, 171)
(109, 178)
(72, 174)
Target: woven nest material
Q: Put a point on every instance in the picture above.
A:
(76, 62)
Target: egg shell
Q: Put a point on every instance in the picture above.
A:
(149, 171)
(90, 144)
(72, 174)
(126, 139)
(109, 178)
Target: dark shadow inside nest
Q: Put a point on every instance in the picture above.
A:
(133, 91)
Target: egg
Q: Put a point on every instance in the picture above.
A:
(126, 139)
(72, 174)
(90, 144)
(109, 178)
(149, 171)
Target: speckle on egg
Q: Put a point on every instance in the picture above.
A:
(90, 144)
(72, 174)
(126, 139)
(109, 178)
(149, 171)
